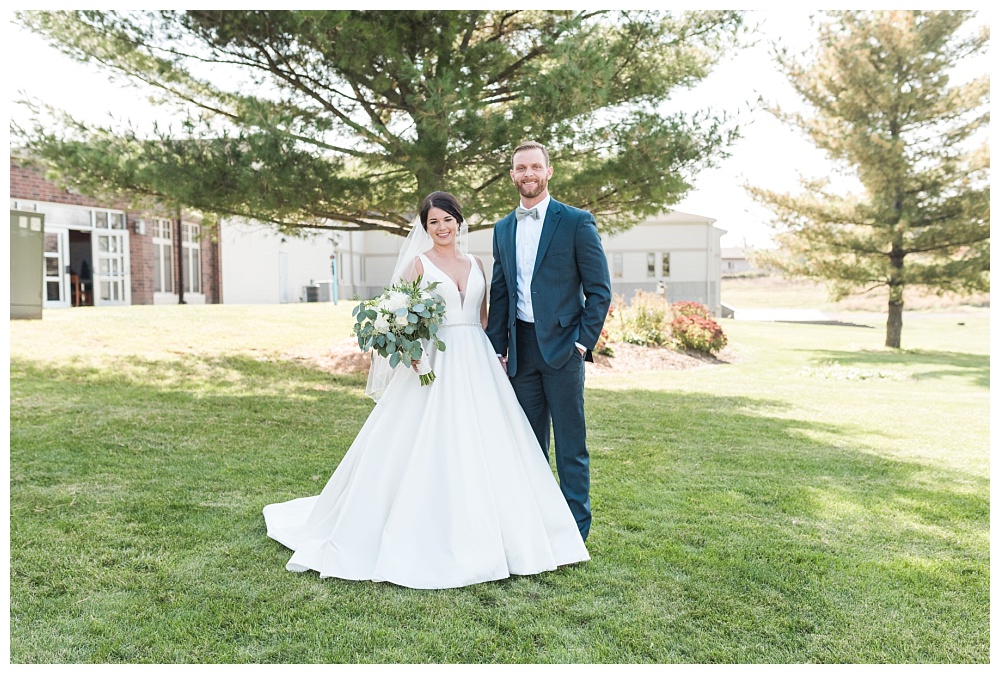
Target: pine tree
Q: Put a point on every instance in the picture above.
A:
(346, 119)
(884, 104)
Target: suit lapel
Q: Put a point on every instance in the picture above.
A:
(552, 217)
(511, 269)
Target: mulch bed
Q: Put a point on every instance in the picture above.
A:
(344, 357)
(635, 358)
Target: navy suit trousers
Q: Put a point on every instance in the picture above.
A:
(556, 394)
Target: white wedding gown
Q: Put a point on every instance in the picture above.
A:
(445, 484)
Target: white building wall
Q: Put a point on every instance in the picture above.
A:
(251, 260)
(259, 263)
(692, 243)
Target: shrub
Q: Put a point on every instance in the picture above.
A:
(688, 308)
(693, 328)
(645, 321)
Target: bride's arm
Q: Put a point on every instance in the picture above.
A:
(482, 305)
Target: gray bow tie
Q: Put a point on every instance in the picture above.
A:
(521, 213)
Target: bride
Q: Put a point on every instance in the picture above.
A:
(445, 484)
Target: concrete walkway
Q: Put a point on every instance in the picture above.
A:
(784, 315)
(791, 316)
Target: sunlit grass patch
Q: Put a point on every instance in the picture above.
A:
(835, 370)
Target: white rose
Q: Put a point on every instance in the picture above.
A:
(402, 320)
(381, 324)
(397, 300)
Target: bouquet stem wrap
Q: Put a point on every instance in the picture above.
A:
(424, 370)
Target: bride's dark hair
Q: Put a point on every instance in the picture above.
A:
(446, 202)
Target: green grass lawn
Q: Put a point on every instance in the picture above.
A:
(818, 499)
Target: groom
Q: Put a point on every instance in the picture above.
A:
(548, 300)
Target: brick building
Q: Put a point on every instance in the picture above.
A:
(102, 254)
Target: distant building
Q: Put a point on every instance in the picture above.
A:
(133, 257)
(675, 254)
(100, 254)
(735, 262)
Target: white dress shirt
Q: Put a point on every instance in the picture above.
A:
(527, 236)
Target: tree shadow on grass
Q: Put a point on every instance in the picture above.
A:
(154, 413)
(974, 367)
(197, 374)
(722, 533)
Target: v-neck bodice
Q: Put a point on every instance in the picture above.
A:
(460, 310)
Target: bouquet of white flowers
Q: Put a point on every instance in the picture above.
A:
(394, 323)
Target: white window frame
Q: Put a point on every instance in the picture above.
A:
(191, 250)
(113, 285)
(164, 251)
(60, 279)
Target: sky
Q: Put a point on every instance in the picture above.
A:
(769, 153)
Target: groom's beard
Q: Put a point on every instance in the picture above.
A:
(541, 184)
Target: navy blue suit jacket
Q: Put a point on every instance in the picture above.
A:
(570, 286)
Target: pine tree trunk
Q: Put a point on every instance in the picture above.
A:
(894, 326)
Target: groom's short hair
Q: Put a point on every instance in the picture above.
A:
(530, 145)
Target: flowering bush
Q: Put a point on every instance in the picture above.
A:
(688, 308)
(646, 321)
(394, 323)
(602, 347)
(693, 328)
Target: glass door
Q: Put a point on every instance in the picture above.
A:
(55, 259)
(110, 246)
